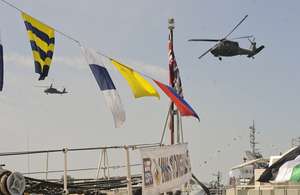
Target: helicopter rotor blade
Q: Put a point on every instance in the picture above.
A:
(210, 40)
(237, 26)
(42, 86)
(242, 37)
(205, 53)
(49, 86)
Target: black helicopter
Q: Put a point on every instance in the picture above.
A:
(230, 48)
(53, 90)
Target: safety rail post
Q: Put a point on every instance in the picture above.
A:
(47, 168)
(65, 150)
(99, 165)
(103, 157)
(107, 165)
(129, 187)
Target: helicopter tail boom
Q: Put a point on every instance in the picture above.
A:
(256, 51)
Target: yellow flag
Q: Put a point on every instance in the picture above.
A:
(140, 87)
(42, 43)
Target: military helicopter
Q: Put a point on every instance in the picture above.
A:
(53, 90)
(230, 48)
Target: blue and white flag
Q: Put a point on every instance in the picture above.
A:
(1, 63)
(106, 84)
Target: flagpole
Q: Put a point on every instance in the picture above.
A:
(175, 86)
(171, 27)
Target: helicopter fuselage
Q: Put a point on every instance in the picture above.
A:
(52, 90)
(229, 48)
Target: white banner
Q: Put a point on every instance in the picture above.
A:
(165, 168)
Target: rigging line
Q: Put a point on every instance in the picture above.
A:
(41, 22)
(163, 134)
(103, 55)
(52, 27)
(69, 36)
(129, 67)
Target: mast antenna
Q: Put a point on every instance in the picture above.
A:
(253, 143)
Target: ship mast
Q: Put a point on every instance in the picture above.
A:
(175, 85)
(171, 27)
(173, 111)
(253, 143)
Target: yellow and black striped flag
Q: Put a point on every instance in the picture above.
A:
(41, 39)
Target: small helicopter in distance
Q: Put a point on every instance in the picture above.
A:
(230, 48)
(53, 90)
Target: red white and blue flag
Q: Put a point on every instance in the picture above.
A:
(174, 71)
(184, 108)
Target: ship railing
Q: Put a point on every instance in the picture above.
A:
(103, 163)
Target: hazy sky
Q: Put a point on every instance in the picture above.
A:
(227, 95)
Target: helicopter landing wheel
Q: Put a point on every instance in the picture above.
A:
(220, 58)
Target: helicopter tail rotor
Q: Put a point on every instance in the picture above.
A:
(254, 49)
(253, 44)
(64, 90)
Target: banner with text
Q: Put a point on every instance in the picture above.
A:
(165, 168)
